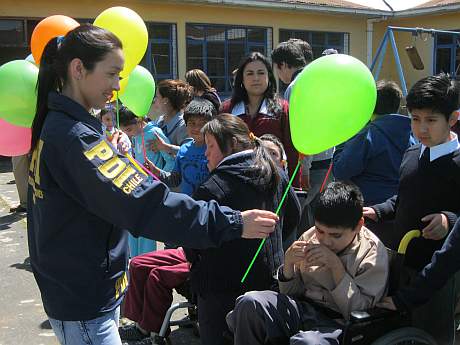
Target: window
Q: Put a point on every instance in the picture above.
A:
(218, 49)
(12, 33)
(161, 55)
(446, 54)
(319, 40)
(13, 41)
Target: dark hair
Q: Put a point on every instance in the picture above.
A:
(438, 92)
(199, 107)
(199, 80)
(126, 117)
(178, 92)
(340, 205)
(388, 97)
(109, 108)
(274, 139)
(289, 53)
(228, 129)
(240, 93)
(86, 42)
(304, 47)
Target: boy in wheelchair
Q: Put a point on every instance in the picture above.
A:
(336, 267)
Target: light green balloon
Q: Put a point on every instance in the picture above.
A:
(139, 92)
(18, 97)
(331, 100)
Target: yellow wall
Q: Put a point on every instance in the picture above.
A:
(424, 46)
(157, 11)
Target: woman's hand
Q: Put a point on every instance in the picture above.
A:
(369, 212)
(258, 223)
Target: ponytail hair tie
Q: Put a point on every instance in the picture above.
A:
(59, 40)
(252, 136)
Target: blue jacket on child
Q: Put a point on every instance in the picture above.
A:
(161, 159)
(82, 194)
(371, 159)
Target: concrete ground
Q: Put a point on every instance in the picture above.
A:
(22, 319)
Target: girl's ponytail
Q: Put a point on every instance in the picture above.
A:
(264, 163)
(48, 80)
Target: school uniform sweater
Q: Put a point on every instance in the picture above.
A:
(424, 188)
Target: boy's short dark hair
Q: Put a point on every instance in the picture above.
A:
(199, 107)
(126, 117)
(340, 205)
(389, 96)
(438, 92)
(305, 48)
(289, 53)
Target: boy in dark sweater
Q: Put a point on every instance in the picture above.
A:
(428, 198)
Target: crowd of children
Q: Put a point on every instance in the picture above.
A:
(397, 174)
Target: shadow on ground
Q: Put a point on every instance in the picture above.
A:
(7, 220)
(23, 266)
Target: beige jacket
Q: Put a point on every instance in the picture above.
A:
(364, 284)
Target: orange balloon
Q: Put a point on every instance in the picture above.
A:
(48, 28)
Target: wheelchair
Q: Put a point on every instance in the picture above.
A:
(191, 320)
(430, 324)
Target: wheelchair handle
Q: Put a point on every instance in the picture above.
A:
(406, 240)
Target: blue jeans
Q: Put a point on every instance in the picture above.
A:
(100, 331)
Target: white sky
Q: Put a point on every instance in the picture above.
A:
(396, 4)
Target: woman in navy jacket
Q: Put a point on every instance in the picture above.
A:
(83, 193)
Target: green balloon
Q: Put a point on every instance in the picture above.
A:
(331, 100)
(139, 92)
(18, 97)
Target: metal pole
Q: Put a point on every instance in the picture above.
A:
(398, 63)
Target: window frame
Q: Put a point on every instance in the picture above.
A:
(266, 44)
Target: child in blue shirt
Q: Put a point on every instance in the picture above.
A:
(139, 131)
(191, 168)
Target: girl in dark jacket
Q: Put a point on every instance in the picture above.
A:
(255, 101)
(243, 176)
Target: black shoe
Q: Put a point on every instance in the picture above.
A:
(18, 209)
(131, 333)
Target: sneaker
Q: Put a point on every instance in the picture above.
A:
(132, 333)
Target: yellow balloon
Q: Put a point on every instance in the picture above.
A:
(129, 27)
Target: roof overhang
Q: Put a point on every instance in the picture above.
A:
(293, 6)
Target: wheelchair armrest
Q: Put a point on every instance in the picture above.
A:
(372, 314)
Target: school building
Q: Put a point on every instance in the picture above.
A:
(214, 34)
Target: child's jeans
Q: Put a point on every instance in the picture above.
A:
(100, 331)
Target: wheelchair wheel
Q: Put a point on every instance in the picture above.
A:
(406, 336)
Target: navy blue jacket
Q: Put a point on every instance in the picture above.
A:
(233, 183)
(82, 195)
(444, 264)
(371, 159)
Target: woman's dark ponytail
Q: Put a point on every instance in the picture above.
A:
(48, 80)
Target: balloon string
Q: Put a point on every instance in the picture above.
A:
(142, 169)
(277, 212)
(118, 113)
